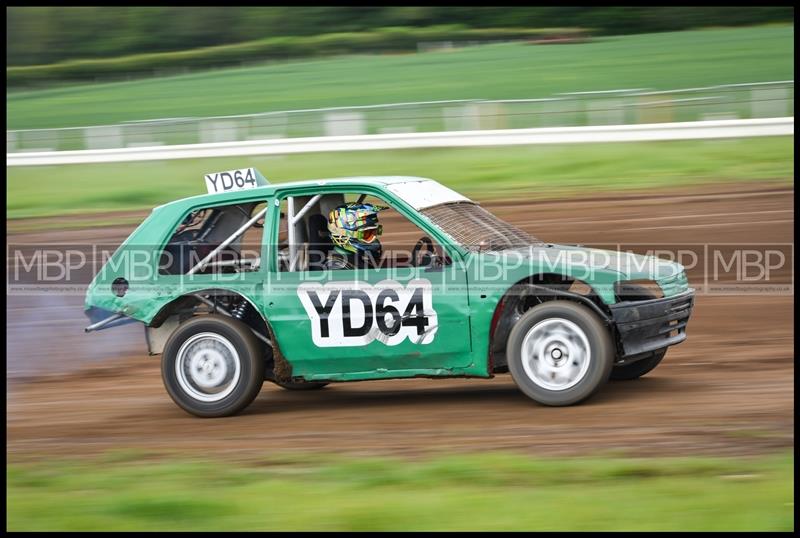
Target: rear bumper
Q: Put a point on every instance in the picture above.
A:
(647, 326)
(98, 315)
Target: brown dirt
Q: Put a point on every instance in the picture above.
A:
(729, 389)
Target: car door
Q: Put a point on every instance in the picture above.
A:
(362, 323)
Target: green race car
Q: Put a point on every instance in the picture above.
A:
(255, 282)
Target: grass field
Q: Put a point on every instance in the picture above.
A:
(536, 172)
(490, 491)
(506, 71)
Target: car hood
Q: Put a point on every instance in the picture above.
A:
(628, 265)
(599, 268)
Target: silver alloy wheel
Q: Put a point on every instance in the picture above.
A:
(556, 354)
(208, 367)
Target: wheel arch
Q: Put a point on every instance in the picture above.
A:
(182, 308)
(188, 299)
(171, 312)
(527, 293)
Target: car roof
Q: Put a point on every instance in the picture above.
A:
(269, 190)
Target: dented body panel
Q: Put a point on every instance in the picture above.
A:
(371, 323)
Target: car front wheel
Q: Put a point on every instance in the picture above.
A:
(559, 353)
(212, 367)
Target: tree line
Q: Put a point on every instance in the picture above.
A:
(46, 35)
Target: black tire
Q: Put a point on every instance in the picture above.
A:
(639, 368)
(222, 337)
(305, 385)
(595, 338)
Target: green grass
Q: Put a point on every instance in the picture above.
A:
(507, 71)
(489, 491)
(483, 173)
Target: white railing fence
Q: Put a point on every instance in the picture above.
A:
(505, 137)
(631, 106)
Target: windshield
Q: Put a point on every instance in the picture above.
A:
(476, 229)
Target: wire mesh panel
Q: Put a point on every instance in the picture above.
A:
(477, 229)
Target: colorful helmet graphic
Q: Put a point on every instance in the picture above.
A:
(354, 227)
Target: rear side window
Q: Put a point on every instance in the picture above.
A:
(202, 232)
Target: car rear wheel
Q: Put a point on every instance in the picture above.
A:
(212, 367)
(559, 353)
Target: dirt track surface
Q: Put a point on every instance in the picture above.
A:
(729, 389)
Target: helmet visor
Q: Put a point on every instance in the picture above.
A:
(368, 235)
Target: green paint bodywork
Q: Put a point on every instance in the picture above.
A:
(465, 294)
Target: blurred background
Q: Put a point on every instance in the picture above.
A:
(636, 128)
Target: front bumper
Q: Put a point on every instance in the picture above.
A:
(647, 326)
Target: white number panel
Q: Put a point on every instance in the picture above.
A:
(356, 313)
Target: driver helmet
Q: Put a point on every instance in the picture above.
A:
(354, 228)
